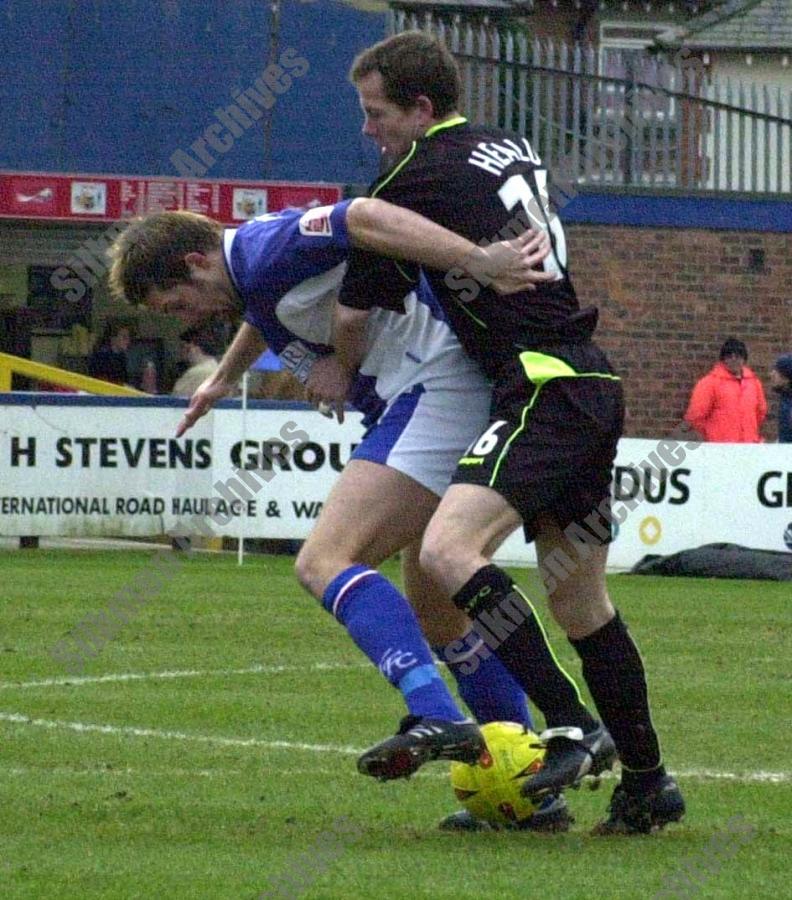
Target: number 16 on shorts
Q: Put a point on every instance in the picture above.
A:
(483, 445)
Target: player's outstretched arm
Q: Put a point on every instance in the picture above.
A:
(245, 349)
(328, 385)
(509, 266)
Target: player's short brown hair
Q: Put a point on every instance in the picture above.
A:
(150, 252)
(412, 64)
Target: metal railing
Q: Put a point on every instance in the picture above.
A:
(11, 365)
(607, 116)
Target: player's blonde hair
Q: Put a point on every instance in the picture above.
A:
(150, 252)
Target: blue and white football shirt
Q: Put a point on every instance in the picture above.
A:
(287, 268)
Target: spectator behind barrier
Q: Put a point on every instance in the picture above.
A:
(728, 404)
(109, 359)
(781, 378)
(200, 348)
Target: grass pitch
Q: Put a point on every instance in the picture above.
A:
(209, 750)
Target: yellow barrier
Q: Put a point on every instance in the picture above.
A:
(10, 364)
(16, 364)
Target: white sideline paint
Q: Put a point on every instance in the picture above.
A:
(84, 728)
(75, 681)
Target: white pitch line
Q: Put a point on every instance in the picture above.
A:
(84, 728)
(131, 731)
(712, 775)
(74, 681)
(62, 771)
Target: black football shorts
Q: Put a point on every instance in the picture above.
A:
(549, 447)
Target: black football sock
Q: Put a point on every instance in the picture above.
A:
(504, 618)
(641, 781)
(614, 673)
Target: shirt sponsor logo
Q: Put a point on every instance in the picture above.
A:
(316, 222)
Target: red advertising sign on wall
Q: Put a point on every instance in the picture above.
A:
(105, 198)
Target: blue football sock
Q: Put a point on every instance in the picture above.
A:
(484, 683)
(382, 623)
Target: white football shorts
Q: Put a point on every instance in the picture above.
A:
(423, 433)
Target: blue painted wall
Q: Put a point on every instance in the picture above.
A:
(117, 86)
(678, 211)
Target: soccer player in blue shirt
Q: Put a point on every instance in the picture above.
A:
(281, 272)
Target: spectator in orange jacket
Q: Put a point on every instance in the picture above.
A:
(728, 404)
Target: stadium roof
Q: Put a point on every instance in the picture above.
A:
(736, 24)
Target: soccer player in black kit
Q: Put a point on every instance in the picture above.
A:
(545, 460)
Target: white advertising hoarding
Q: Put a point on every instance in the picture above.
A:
(707, 494)
(90, 466)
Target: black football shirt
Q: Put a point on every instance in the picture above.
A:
(487, 185)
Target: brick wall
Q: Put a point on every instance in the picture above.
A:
(668, 298)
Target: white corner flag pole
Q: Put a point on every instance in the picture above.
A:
(241, 539)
